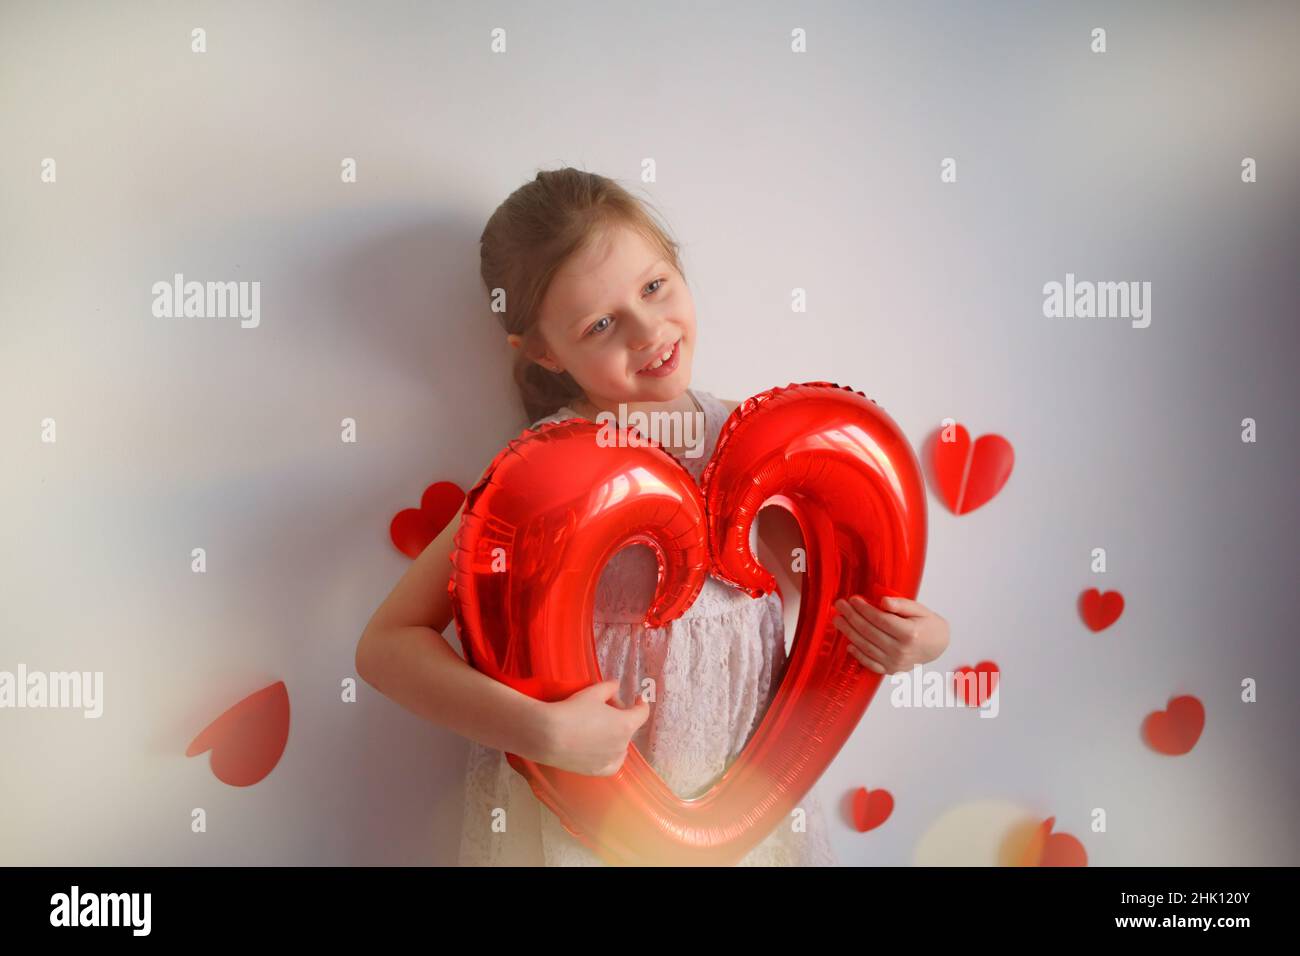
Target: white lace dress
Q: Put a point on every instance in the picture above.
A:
(714, 668)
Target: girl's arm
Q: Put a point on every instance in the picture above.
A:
(404, 655)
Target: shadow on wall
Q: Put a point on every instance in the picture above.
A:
(387, 302)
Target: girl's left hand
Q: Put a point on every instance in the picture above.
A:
(906, 634)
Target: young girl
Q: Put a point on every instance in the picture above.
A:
(593, 298)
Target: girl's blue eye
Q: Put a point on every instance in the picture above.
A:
(597, 328)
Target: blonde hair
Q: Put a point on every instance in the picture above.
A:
(529, 238)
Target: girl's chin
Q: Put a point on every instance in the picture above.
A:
(663, 389)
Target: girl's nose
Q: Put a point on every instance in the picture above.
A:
(645, 332)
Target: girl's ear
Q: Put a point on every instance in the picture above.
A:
(544, 360)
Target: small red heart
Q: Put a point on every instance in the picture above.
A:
(1175, 729)
(1055, 849)
(247, 740)
(413, 528)
(871, 808)
(972, 688)
(970, 476)
(1099, 611)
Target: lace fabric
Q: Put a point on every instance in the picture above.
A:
(714, 669)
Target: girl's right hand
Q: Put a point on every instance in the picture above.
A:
(586, 735)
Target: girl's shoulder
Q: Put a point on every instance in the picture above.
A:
(717, 409)
(558, 416)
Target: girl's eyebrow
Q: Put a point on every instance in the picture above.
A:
(583, 319)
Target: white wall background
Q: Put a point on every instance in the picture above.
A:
(775, 171)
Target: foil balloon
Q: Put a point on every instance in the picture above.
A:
(558, 502)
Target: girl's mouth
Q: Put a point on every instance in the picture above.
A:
(662, 366)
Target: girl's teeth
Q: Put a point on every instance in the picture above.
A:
(663, 358)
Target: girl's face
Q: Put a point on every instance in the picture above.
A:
(613, 311)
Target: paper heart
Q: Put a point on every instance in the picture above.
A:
(975, 690)
(413, 528)
(1099, 611)
(1054, 849)
(556, 504)
(871, 808)
(970, 476)
(1175, 729)
(248, 738)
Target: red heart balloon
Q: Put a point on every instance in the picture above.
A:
(1099, 611)
(970, 476)
(557, 503)
(413, 528)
